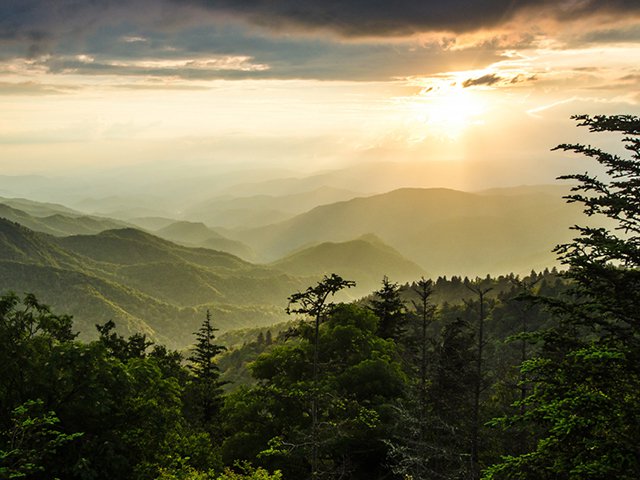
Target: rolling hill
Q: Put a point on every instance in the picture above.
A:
(149, 284)
(54, 219)
(260, 210)
(365, 260)
(142, 282)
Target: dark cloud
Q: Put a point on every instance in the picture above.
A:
(53, 32)
(41, 23)
(618, 35)
(486, 80)
(282, 61)
(492, 79)
(399, 17)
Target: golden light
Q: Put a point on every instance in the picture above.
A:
(448, 109)
(445, 109)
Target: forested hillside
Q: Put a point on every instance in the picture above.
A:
(144, 283)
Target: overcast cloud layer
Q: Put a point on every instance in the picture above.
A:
(331, 39)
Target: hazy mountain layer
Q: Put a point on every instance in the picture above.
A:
(444, 231)
(54, 221)
(197, 234)
(260, 210)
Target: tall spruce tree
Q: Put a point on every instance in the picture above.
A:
(206, 386)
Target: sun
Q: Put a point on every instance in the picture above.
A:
(446, 109)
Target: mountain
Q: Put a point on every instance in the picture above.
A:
(197, 234)
(258, 210)
(191, 232)
(19, 244)
(142, 282)
(365, 260)
(152, 224)
(363, 177)
(445, 231)
(54, 219)
(39, 209)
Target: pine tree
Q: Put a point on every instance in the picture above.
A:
(206, 386)
(390, 309)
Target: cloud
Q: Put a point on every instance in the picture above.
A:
(32, 88)
(151, 37)
(492, 79)
(402, 17)
(628, 34)
(487, 80)
(42, 23)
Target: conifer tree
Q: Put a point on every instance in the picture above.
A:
(206, 383)
(390, 309)
(586, 380)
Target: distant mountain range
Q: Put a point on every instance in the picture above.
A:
(54, 219)
(444, 231)
(197, 234)
(162, 275)
(260, 210)
(149, 284)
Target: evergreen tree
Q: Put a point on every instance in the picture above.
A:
(390, 309)
(205, 393)
(586, 379)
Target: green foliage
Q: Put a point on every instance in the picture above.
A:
(31, 441)
(586, 379)
(204, 391)
(355, 387)
(388, 306)
(116, 403)
(247, 472)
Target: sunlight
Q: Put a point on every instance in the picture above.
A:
(445, 110)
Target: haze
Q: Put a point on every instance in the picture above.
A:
(124, 94)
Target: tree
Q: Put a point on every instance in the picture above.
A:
(586, 379)
(479, 377)
(113, 408)
(409, 449)
(358, 381)
(313, 302)
(390, 309)
(433, 430)
(32, 439)
(206, 387)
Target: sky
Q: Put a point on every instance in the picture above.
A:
(309, 85)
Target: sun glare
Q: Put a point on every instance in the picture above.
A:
(446, 110)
